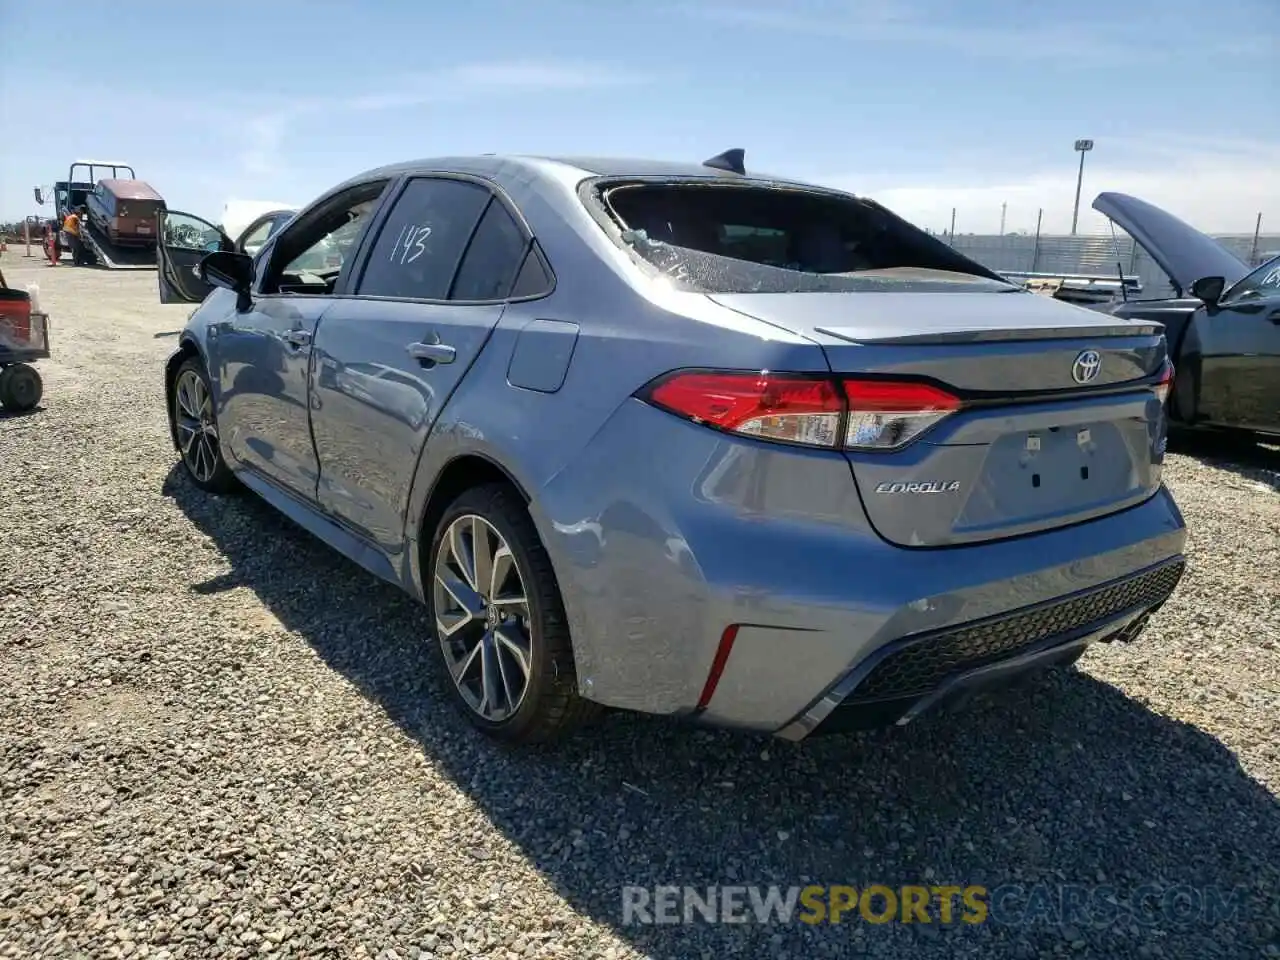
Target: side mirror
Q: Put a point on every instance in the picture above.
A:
(39, 197)
(1209, 289)
(231, 271)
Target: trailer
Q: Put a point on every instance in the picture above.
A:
(96, 185)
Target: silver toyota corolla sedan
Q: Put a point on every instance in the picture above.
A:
(683, 439)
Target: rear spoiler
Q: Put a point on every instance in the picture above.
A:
(1091, 331)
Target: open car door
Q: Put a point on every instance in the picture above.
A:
(183, 240)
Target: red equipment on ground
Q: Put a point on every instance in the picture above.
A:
(24, 339)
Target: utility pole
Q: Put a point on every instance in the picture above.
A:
(953, 226)
(1082, 147)
(1003, 208)
(1035, 249)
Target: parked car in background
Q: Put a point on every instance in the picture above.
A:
(254, 221)
(681, 439)
(1222, 323)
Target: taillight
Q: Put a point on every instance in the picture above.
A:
(815, 411)
(1165, 384)
(884, 414)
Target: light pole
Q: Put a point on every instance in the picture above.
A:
(1082, 147)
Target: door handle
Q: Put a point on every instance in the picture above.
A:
(432, 352)
(299, 338)
(1274, 316)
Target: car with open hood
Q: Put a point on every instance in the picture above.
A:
(685, 439)
(1222, 322)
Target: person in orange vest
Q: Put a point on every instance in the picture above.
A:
(71, 226)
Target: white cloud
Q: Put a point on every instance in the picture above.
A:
(465, 82)
(1050, 35)
(266, 132)
(1218, 191)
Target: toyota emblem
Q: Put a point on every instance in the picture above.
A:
(1086, 367)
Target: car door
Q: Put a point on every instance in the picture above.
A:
(184, 239)
(262, 351)
(389, 354)
(1239, 342)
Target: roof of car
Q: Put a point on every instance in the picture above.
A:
(637, 167)
(586, 166)
(130, 189)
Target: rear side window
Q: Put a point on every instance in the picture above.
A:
(492, 259)
(420, 244)
(534, 279)
(733, 238)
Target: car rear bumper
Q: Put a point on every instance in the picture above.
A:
(908, 677)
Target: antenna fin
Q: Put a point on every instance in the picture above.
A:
(731, 160)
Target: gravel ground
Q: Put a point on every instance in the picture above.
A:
(219, 739)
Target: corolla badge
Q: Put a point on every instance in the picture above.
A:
(928, 486)
(1087, 366)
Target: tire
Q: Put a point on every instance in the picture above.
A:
(472, 642)
(196, 425)
(20, 388)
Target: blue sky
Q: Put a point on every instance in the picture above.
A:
(924, 104)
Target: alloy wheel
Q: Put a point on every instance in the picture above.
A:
(482, 618)
(197, 428)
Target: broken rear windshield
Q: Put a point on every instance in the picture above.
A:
(730, 238)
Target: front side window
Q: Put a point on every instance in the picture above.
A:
(326, 254)
(308, 257)
(1263, 283)
(423, 239)
(723, 238)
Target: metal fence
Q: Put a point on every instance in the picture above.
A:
(1094, 254)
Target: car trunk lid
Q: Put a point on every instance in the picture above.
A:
(1031, 447)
